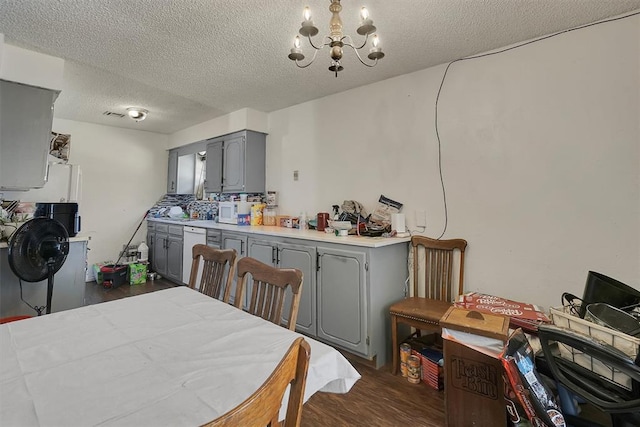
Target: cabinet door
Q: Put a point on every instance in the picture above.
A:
(239, 243)
(342, 303)
(213, 182)
(174, 258)
(26, 114)
(233, 166)
(172, 173)
(303, 258)
(263, 251)
(151, 238)
(160, 253)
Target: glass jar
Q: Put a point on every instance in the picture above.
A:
(269, 215)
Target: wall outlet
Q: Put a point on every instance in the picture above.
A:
(295, 175)
(421, 218)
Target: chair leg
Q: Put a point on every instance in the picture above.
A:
(394, 343)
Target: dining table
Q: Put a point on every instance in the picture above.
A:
(173, 357)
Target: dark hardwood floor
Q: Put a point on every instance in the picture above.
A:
(377, 399)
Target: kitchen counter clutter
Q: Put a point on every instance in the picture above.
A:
(370, 242)
(349, 281)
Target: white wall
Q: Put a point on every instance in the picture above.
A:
(540, 154)
(124, 172)
(245, 118)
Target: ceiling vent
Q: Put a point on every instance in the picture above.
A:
(111, 113)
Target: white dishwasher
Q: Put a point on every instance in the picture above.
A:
(192, 236)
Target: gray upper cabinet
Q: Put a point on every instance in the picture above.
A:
(26, 115)
(236, 163)
(213, 183)
(172, 175)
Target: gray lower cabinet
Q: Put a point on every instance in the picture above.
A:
(347, 290)
(286, 254)
(214, 238)
(174, 257)
(165, 243)
(342, 298)
(237, 241)
(68, 285)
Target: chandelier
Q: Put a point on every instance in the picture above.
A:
(336, 40)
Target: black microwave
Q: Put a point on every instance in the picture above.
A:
(65, 213)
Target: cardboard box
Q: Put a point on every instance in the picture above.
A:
(474, 386)
(137, 274)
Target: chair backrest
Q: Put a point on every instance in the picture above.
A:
(217, 273)
(435, 259)
(263, 406)
(267, 290)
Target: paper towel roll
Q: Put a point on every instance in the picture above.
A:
(397, 222)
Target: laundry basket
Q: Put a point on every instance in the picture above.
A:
(563, 317)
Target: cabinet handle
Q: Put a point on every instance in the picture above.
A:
(317, 261)
(277, 256)
(273, 255)
(241, 247)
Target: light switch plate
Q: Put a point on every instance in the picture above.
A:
(295, 175)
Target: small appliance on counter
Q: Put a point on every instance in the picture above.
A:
(65, 213)
(228, 211)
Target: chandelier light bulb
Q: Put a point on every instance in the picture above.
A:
(336, 40)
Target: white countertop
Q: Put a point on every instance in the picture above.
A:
(293, 233)
(4, 244)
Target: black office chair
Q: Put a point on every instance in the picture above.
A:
(622, 404)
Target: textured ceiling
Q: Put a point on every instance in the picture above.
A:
(188, 61)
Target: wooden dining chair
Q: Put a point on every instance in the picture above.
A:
(267, 290)
(263, 407)
(434, 288)
(217, 273)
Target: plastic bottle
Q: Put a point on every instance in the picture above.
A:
(143, 252)
(243, 206)
(302, 223)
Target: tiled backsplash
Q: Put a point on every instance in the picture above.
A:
(206, 209)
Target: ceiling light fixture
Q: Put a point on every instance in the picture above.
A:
(137, 114)
(336, 40)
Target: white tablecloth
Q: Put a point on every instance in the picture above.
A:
(173, 357)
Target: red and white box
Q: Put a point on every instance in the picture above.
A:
(496, 305)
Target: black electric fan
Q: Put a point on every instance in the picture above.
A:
(37, 250)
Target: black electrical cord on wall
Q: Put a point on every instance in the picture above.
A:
(444, 194)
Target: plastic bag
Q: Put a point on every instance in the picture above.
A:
(386, 207)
